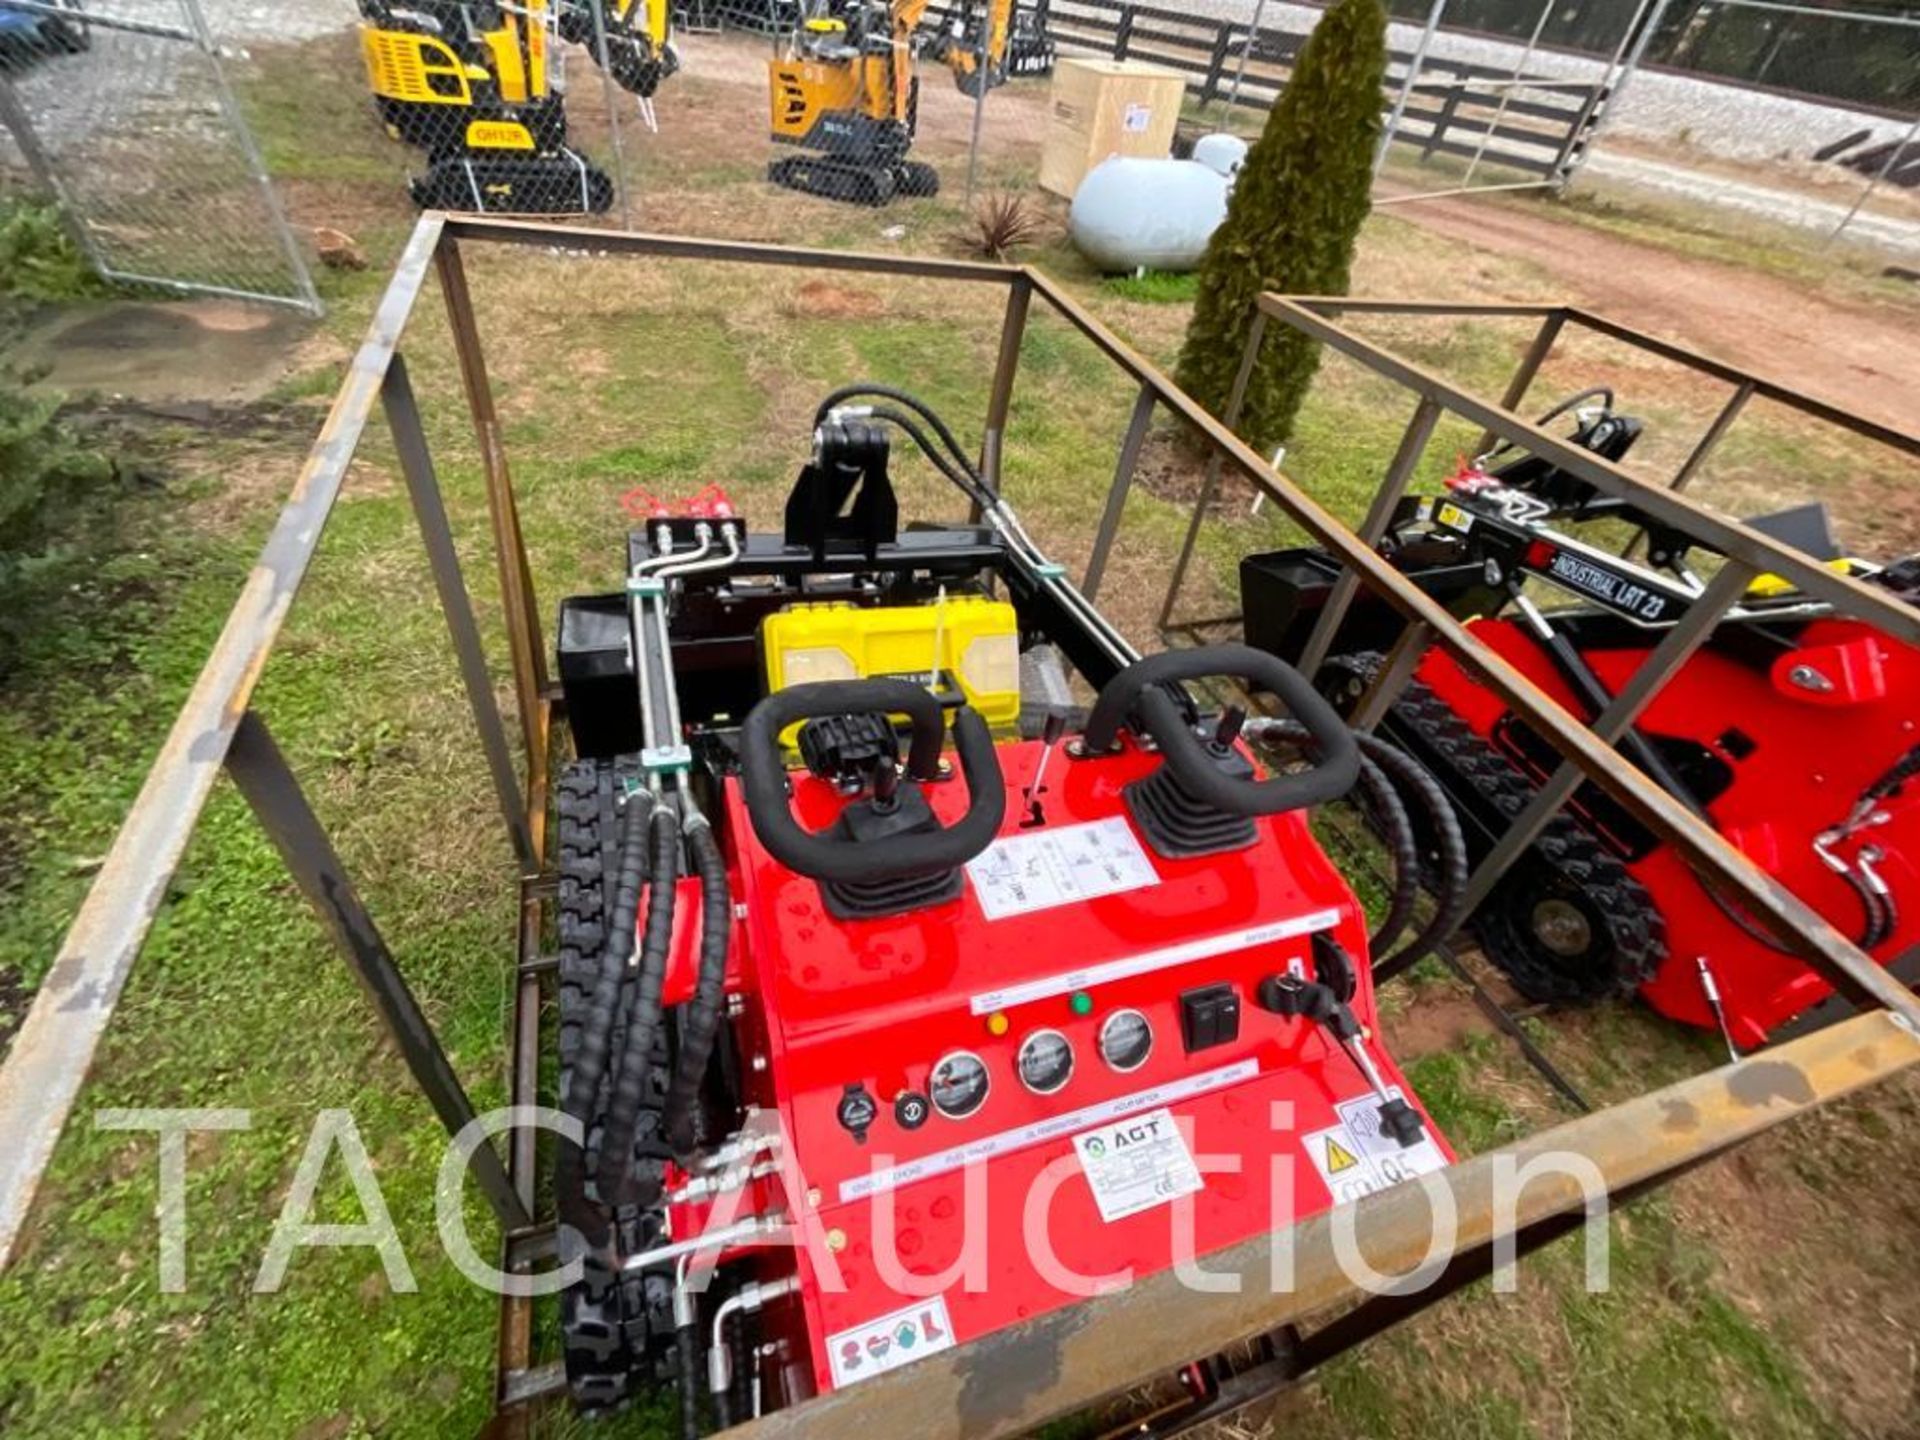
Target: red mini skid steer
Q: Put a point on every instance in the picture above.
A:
(899, 1001)
(1796, 733)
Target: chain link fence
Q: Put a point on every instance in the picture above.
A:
(121, 112)
(820, 121)
(1777, 115)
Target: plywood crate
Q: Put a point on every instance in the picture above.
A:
(1107, 107)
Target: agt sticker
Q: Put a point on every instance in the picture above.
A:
(1136, 1164)
(889, 1342)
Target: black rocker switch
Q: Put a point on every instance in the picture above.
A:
(910, 1109)
(857, 1111)
(1209, 1016)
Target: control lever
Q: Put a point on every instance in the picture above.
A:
(1050, 736)
(1232, 720)
(1316, 1001)
(886, 786)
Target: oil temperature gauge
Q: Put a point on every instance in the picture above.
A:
(1126, 1039)
(959, 1084)
(1046, 1061)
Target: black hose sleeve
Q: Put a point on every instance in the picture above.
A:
(686, 1347)
(643, 1019)
(1450, 842)
(596, 1038)
(1904, 769)
(700, 1020)
(1397, 828)
(1875, 905)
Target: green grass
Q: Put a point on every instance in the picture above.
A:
(1156, 287)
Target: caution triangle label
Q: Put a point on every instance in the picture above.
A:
(1339, 1157)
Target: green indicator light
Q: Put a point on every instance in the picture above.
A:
(1081, 1003)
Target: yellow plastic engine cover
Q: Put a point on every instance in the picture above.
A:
(978, 644)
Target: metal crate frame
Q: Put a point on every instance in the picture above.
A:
(1073, 1357)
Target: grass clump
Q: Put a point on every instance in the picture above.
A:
(1155, 287)
(39, 261)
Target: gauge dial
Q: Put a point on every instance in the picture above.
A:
(1046, 1061)
(959, 1084)
(1126, 1039)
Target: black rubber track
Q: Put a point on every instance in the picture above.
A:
(1628, 937)
(616, 1330)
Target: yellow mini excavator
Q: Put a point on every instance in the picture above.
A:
(846, 95)
(477, 85)
(994, 39)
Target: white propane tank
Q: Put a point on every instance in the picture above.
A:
(1132, 213)
(1222, 153)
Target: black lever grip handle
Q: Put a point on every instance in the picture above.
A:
(1138, 688)
(820, 857)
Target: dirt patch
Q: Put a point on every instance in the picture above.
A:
(1172, 468)
(824, 300)
(1435, 1020)
(1858, 356)
(1808, 1224)
(208, 351)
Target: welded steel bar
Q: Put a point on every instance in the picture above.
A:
(1006, 368)
(1527, 370)
(514, 1350)
(1878, 607)
(1393, 487)
(1236, 399)
(1676, 647)
(1905, 441)
(521, 612)
(1117, 492)
(1715, 433)
(54, 1047)
(1080, 1354)
(1386, 686)
(589, 240)
(1369, 305)
(1829, 952)
(273, 793)
(429, 509)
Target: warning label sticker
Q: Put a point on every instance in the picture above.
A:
(1059, 866)
(1356, 1158)
(889, 1342)
(1136, 1164)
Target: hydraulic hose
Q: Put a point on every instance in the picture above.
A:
(700, 1019)
(590, 1064)
(868, 388)
(686, 1347)
(1397, 826)
(643, 1017)
(1450, 843)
